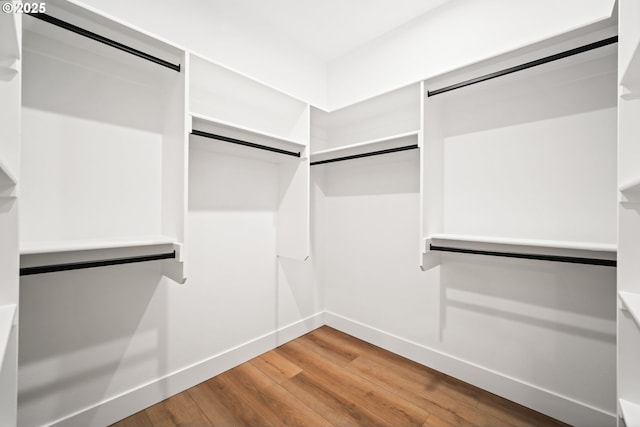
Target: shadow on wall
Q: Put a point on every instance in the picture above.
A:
(87, 335)
(394, 173)
(552, 324)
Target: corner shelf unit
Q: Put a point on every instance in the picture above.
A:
(103, 135)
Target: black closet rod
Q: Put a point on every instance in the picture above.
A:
(97, 37)
(41, 269)
(241, 142)
(541, 257)
(531, 64)
(372, 153)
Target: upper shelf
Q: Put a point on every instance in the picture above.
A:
(234, 139)
(399, 142)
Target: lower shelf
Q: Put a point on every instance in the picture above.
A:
(630, 413)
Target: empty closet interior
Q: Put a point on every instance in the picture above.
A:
(167, 215)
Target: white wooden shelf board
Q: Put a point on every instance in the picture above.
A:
(630, 413)
(7, 314)
(631, 301)
(218, 122)
(32, 248)
(559, 244)
(7, 177)
(394, 141)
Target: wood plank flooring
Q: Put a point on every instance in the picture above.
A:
(328, 378)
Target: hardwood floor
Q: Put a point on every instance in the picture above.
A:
(328, 378)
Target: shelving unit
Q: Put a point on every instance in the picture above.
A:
(499, 149)
(91, 108)
(241, 122)
(629, 213)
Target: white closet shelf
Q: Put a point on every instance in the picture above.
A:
(34, 248)
(7, 177)
(630, 413)
(7, 314)
(555, 244)
(379, 144)
(249, 139)
(631, 302)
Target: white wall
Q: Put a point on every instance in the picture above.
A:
(458, 33)
(90, 336)
(238, 41)
(541, 333)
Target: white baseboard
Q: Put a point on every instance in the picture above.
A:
(130, 402)
(544, 401)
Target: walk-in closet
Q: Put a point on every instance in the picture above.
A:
(320, 213)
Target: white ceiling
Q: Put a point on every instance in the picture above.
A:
(330, 28)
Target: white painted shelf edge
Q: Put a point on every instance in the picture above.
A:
(630, 413)
(32, 248)
(559, 244)
(366, 144)
(6, 174)
(631, 301)
(217, 121)
(7, 314)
